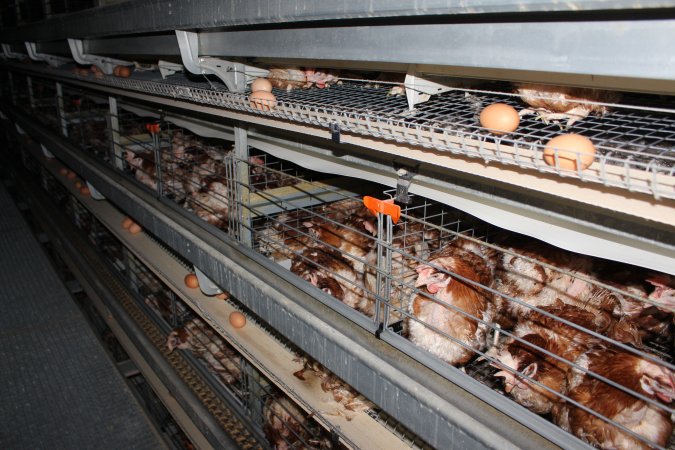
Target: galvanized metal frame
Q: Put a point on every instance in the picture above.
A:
(604, 233)
(162, 15)
(435, 409)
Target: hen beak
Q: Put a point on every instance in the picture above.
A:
(664, 390)
(508, 380)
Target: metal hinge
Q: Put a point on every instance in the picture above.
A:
(102, 62)
(9, 54)
(235, 75)
(419, 90)
(52, 60)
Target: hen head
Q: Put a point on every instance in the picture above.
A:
(507, 359)
(433, 279)
(327, 284)
(532, 366)
(657, 381)
(664, 292)
(177, 339)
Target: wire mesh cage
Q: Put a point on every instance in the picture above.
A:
(37, 97)
(633, 136)
(200, 174)
(177, 165)
(279, 419)
(288, 426)
(80, 215)
(18, 85)
(54, 188)
(539, 324)
(553, 330)
(161, 415)
(85, 118)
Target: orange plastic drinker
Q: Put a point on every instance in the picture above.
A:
(383, 206)
(153, 128)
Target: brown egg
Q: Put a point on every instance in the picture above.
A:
(124, 72)
(264, 101)
(71, 175)
(191, 281)
(573, 151)
(499, 118)
(99, 75)
(78, 184)
(63, 171)
(84, 190)
(261, 84)
(135, 228)
(95, 69)
(127, 222)
(222, 296)
(237, 319)
(116, 71)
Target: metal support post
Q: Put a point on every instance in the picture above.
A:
(60, 110)
(241, 184)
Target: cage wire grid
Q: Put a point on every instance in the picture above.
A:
(232, 371)
(519, 374)
(140, 280)
(635, 147)
(459, 234)
(210, 350)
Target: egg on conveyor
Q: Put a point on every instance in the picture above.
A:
(84, 190)
(191, 281)
(499, 118)
(261, 84)
(127, 222)
(262, 100)
(134, 228)
(570, 152)
(124, 72)
(237, 319)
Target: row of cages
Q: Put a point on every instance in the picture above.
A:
(557, 332)
(272, 413)
(620, 139)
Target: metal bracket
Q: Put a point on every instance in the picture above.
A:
(167, 68)
(46, 152)
(54, 61)
(9, 54)
(102, 62)
(95, 194)
(405, 176)
(235, 75)
(207, 286)
(419, 90)
(335, 132)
